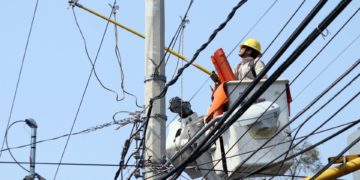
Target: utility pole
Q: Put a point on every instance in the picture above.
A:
(154, 83)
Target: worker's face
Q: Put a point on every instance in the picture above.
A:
(242, 51)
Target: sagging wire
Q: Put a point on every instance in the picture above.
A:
(85, 131)
(83, 95)
(7, 144)
(90, 59)
(20, 71)
(118, 57)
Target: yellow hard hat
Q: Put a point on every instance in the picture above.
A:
(252, 43)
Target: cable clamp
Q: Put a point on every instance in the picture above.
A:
(159, 116)
(155, 77)
(72, 3)
(323, 34)
(114, 8)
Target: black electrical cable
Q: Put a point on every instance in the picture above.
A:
(82, 97)
(273, 145)
(124, 152)
(308, 148)
(301, 112)
(284, 26)
(180, 71)
(257, 79)
(282, 29)
(7, 144)
(319, 53)
(262, 53)
(326, 121)
(334, 59)
(172, 43)
(291, 59)
(291, 146)
(336, 158)
(20, 71)
(310, 105)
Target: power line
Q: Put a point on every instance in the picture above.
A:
(336, 158)
(253, 27)
(66, 164)
(272, 43)
(20, 72)
(82, 97)
(308, 148)
(204, 144)
(180, 71)
(283, 142)
(93, 64)
(299, 114)
(176, 35)
(7, 145)
(121, 123)
(310, 105)
(322, 70)
(281, 30)
(326, 121)
(118, 57)
(305, 109)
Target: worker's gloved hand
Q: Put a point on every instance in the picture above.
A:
(215, 77)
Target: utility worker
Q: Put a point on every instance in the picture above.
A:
(248, 68)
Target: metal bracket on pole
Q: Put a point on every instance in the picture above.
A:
(72, 3)
(155, 77)
(159, 116)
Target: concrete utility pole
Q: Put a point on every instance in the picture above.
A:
(154, 83)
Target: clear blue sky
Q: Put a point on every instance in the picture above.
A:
(56, 69)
